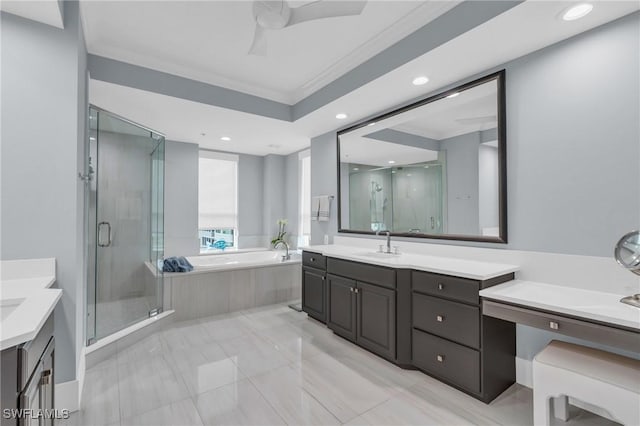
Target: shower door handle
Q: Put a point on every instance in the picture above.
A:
(100, 225)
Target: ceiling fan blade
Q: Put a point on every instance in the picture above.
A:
(325, 9)
(259, 44)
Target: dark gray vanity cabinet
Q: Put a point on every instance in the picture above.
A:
(376, 319)
(454, 342)
(362, 305)
(342, 306)
(28, 378)
(314, 286)
(415, 319)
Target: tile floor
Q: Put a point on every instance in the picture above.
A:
(274, 366)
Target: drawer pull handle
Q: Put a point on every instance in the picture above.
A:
(313, 259)
(554, 325)
(440, 358)
(324, 278)
(440, 286)
(439, 318)
(351, 289)
(355, 290)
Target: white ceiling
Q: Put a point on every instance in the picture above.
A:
(185, 121)
(209, 40)
(45, 11)
(521, 30)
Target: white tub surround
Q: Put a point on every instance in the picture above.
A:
(588, 304)
(472, 269)
(26, 299)
(230, 282)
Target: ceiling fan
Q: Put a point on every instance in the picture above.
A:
(277, 14)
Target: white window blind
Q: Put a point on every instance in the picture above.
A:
(217, 190)
(305, 193)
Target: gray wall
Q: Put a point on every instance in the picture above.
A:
(563, 103)
(43, 133)
(267, 191)
(274, 194)
(324, 181)
(181, 199)
(250, 201)
(462, 183)
(488, 193)
(292, 197)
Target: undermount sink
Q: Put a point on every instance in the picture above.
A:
(8, 306)
(378, 255)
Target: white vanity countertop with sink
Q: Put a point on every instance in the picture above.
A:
(588, 304)
(472, 269)
(26, 299)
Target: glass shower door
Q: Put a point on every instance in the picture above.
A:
(126, 206)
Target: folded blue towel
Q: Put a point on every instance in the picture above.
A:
(176, 264)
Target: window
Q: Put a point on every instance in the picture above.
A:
(217, 200)
(304, 217)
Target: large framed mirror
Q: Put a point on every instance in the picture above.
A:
(432, 169)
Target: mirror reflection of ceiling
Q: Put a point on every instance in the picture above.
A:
(379, 153)
(472, 110)
(414, 136)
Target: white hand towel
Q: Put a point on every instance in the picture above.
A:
(320, 208)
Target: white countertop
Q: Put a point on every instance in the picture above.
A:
(26, 299)
(588, 304)
(472, 269)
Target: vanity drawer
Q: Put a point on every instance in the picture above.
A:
(385, 277)
(451, 320)
(454, 363)
(314, 260)
(461, 289)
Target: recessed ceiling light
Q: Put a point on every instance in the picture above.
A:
(341, 116)
(578, 11)
(372, 124)
(91, 138)
(426, 167)
(453, 95)
(393, 171)
(356, 169)
(225, 138)
(419, 81)
(392, 162)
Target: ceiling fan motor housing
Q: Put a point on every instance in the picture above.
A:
(272, 14)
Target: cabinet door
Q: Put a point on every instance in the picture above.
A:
(342, 306)
(314, 294)
(377, 319)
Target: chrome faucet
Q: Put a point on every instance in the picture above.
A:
(388, 234)
(286, 246)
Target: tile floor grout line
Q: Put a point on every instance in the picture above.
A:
(275, 410)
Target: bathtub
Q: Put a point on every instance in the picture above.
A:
(229, 282)
(231, 261)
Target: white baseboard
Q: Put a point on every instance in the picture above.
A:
(524, 372)
(69, 394)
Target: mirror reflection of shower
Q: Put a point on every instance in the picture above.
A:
(377, 207)
(409, 198)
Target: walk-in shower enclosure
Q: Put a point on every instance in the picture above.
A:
(125, 225)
